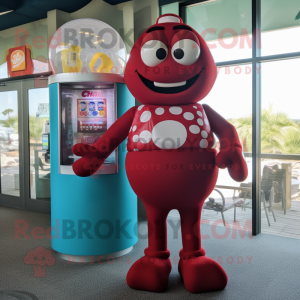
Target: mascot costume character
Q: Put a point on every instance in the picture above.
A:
(171, 162)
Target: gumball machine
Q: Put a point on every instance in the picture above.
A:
(93, 218)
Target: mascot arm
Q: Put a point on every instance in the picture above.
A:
(231, 153)
(93, 156)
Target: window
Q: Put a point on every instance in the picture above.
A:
(259, 95)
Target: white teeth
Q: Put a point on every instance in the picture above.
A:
(169, 85)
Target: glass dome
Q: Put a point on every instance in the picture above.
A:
(87, 46)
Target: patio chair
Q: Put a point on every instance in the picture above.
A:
(246, 197)
(222, 207)
(274, 177)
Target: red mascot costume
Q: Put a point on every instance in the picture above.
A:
(171, 161)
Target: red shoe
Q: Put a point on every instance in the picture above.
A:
(151, 272)
(200, 273)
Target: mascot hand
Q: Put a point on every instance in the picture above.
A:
(90, 162)
(234, 160)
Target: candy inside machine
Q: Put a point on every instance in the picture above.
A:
(86, 114)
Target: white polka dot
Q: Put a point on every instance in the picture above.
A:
(199, 113)
(203, 143)
(195, 107)
(188, 116)
(145, 136)
(159, 111)
(135, 149)
(175, 110)
(134, 128)
(206, 121)
(130, 128)
(200, 122)
(204, 134)
(169, 135)
(141, 107)
(194, 129)
(146, 116)
(135, 138)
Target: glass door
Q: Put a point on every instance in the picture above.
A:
(11, 146)
(24, 145)
(36, 139)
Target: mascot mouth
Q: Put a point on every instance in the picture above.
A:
(169, 88)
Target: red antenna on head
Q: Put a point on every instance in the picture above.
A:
(169, 18)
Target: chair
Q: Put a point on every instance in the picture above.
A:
(222, 207)
(274, 177)
(244, 196)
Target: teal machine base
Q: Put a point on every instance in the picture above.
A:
(92, 218)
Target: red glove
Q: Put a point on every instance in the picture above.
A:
(234, 160)
(231, 153)
(90, 162)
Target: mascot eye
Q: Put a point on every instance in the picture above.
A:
(186, 52)
(153, 53)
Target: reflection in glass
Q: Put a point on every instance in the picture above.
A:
(231, 97)
(280, 138)
(280, 22)
(36, 34)
(39, 132)
(225, 26)
(9, 144)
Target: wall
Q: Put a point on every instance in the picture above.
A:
(9, 38)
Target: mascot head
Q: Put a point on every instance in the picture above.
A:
(170, 64)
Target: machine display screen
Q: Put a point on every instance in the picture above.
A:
(91, 115)
(86, 114)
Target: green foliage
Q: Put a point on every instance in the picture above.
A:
(11, 121)
(36, 127)
(279, 134)
(7, 112)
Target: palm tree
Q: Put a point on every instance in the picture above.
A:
(279, 134)
(7, 111)
(10, 122)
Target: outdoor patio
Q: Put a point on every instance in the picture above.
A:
(287, 225)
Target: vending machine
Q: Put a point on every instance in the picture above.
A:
(93, 218)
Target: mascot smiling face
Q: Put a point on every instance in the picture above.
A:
(170, 64)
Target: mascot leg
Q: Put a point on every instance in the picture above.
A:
(199, 273)
(151, 272)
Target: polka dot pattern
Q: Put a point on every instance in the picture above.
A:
(203, 143)
(199, 113)
(188, 116)
(145, 136)
(170, 127)
(204, 134)
(159, 111)
(175, 110)
(169, 134)
(194, 129)
(200, 122)
(146, 116)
